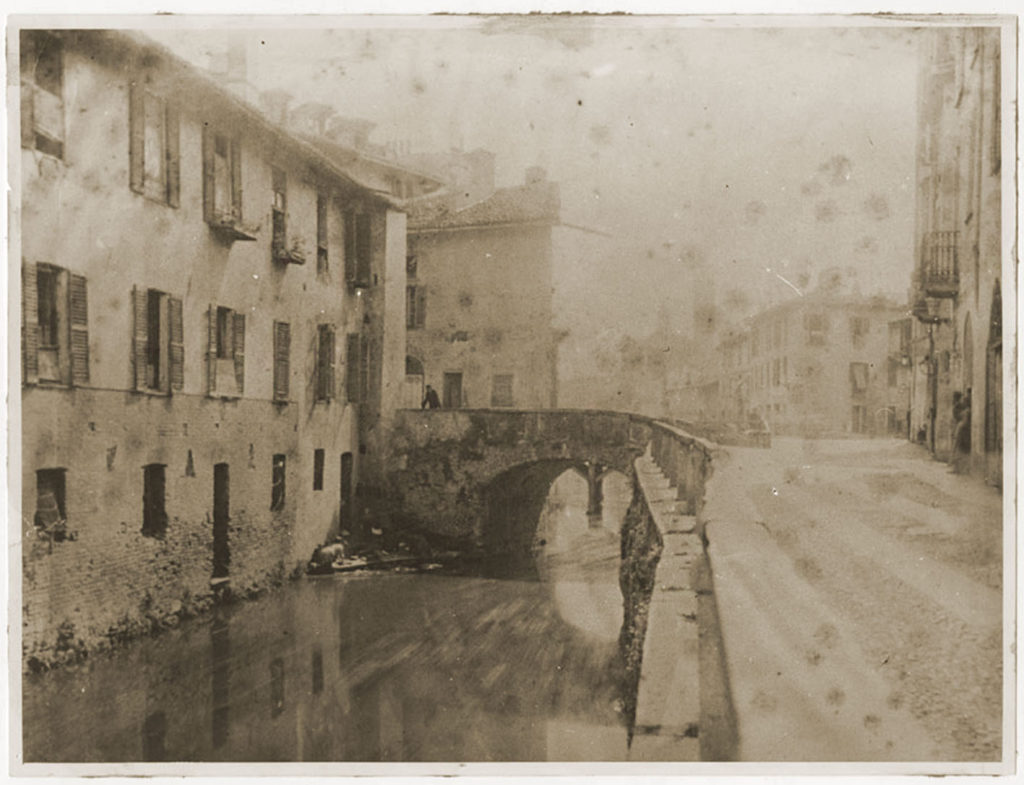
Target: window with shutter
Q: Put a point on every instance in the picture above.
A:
(318, 469)
(211, 350)
(365, 368)
(501, 390)
(363, 250)
(177, 343)
(421, 306)
(222, 185)
(350, 247)
(226, 352)
(239, 351)
(158, 342)
(42, 92)
(321, 234)
(140, 336)
(79, 308)
(153, 145)
(29, 324)
(279, 207)
(352, 365)
(325, 363)
(282, 351)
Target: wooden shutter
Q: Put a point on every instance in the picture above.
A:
(365, 360)
(28, 69)
(172, 130)
(350, 246)
(329, 363)
(352, 364)
(363, 248)
(209, 185)
(29, 321)
(177, 343)
(78, 308)
(282, 354)
(136, 135)
(211, 350)
(238, 320)
(421, 306)
(236, 177)
(140, 335)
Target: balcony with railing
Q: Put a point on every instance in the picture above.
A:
(940, 268)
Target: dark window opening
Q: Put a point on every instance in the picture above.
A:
(45, 144)
(49, 74)
(42, 88)
(318, 470)
(501, 390)
(325, 363)
(154, 516)
(410, 266)
(282, 360)
(225, 344)
(153, 338)
(363, 249)
(46, 282)
(280, 205)
(51, 513)
(321, 234)
(277, 484)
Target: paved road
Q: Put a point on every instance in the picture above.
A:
(859, 589)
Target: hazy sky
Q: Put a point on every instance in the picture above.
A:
(760, 153)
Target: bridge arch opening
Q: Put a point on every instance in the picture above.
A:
(549, 503)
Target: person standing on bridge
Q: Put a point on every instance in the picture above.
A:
(430, 400)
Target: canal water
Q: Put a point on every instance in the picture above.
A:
(371, 667)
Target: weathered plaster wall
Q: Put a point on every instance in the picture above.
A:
(79, 213)
(488, 311)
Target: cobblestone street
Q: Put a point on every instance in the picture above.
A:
(859, 588)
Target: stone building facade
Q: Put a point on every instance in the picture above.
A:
(812, 366)
(206, 359)
(479, 299)
(956, 286)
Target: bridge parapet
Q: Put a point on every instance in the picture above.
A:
(480, 476)
(686, 461)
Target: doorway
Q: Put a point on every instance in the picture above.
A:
(452, 391)
(412, 391)
(221, 509)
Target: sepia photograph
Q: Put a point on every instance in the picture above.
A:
(428, 393)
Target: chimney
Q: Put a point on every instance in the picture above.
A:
(237, 67)
(536, 174)
(274, 104)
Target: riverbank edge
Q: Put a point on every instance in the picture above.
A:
(684, 709)
(641, 549)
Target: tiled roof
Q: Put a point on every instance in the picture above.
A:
(533, 203)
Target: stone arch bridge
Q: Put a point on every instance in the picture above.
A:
(479, 477)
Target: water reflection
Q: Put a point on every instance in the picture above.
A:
(429, 668)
